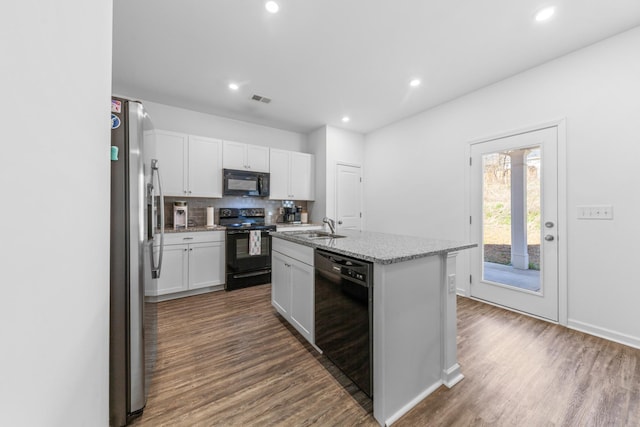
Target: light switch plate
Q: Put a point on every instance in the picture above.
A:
(595, 212)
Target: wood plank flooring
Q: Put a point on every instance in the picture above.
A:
(227, 359)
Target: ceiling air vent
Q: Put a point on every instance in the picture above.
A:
(261, 99)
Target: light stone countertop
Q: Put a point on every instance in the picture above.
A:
(284, 226)
(191, 229)
(380, 248)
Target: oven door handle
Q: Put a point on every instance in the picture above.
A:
(264, 233)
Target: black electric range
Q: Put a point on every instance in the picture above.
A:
(248, 247)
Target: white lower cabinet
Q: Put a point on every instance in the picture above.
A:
(206, 264)
(281, 283)
(292, 285)
(174, 274)
(190, 261)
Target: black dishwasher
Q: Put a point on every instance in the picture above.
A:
(344, 315)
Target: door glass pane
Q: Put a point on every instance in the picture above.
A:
(511, 218)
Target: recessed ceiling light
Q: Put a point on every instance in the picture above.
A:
(415, 82)
(345, 119)
(545, 14)
(233, 86)
(272, 7)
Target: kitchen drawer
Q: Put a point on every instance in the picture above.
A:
(294, 250)
(190, 237)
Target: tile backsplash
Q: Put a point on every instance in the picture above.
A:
(197, 207)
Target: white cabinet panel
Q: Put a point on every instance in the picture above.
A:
(189, 165)
(258, 158)
(302, 308)
(249, 157)
(173, 277)
(302, 176)
(292, 286)
(205, 167)
(170, 150)
(279, 175)
(234, 154)
(291, 175)
(280, 283)
(200, 263)
(206, 264)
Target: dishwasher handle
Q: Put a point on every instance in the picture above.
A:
(335, 259)
(351, 270)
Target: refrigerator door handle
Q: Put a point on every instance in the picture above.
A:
(155, 270)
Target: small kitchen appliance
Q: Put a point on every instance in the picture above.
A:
(180, 215)
(245, 264)
(293, 215)
(245, 183)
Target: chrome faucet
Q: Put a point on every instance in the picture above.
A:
(331, 223)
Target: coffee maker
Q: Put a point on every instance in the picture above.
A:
(180, 215)
(293, 215)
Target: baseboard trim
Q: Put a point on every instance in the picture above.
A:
(452, 376)
(607, 334)
(409, 406)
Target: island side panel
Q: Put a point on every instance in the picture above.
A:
(451, 374)
(407, 355)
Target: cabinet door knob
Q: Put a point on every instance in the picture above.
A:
(548, 238)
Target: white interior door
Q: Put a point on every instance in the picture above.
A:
(514, 218)
(349, 197)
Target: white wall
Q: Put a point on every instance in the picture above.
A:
(332, 146)
(317, 141)
(420, 163)
(54, 180)
(180, 120)
(342, 147)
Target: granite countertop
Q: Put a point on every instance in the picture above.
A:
(289, 225)
(198, 228)
(380, 248)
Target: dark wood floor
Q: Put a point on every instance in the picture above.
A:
(226, 359)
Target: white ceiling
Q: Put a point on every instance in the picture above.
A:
(319, 60)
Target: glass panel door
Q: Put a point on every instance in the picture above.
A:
(511, 218)
(514, 220)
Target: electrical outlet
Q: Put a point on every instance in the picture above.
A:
(451, 282)
(595, 212)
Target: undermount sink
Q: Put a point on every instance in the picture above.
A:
(321, 235)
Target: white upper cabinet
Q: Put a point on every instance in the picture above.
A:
(170, 148)
(205, 167)
(301, 183)
(291, 175)
(279, 175)
(249, 157)
(189, 165)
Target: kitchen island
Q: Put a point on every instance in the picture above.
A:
(414, 312)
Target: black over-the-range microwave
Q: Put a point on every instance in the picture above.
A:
(245, 183)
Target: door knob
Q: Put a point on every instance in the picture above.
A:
(339, 222)
(549, 224)
(548, 237)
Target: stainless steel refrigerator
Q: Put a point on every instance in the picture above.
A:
(136, 215)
